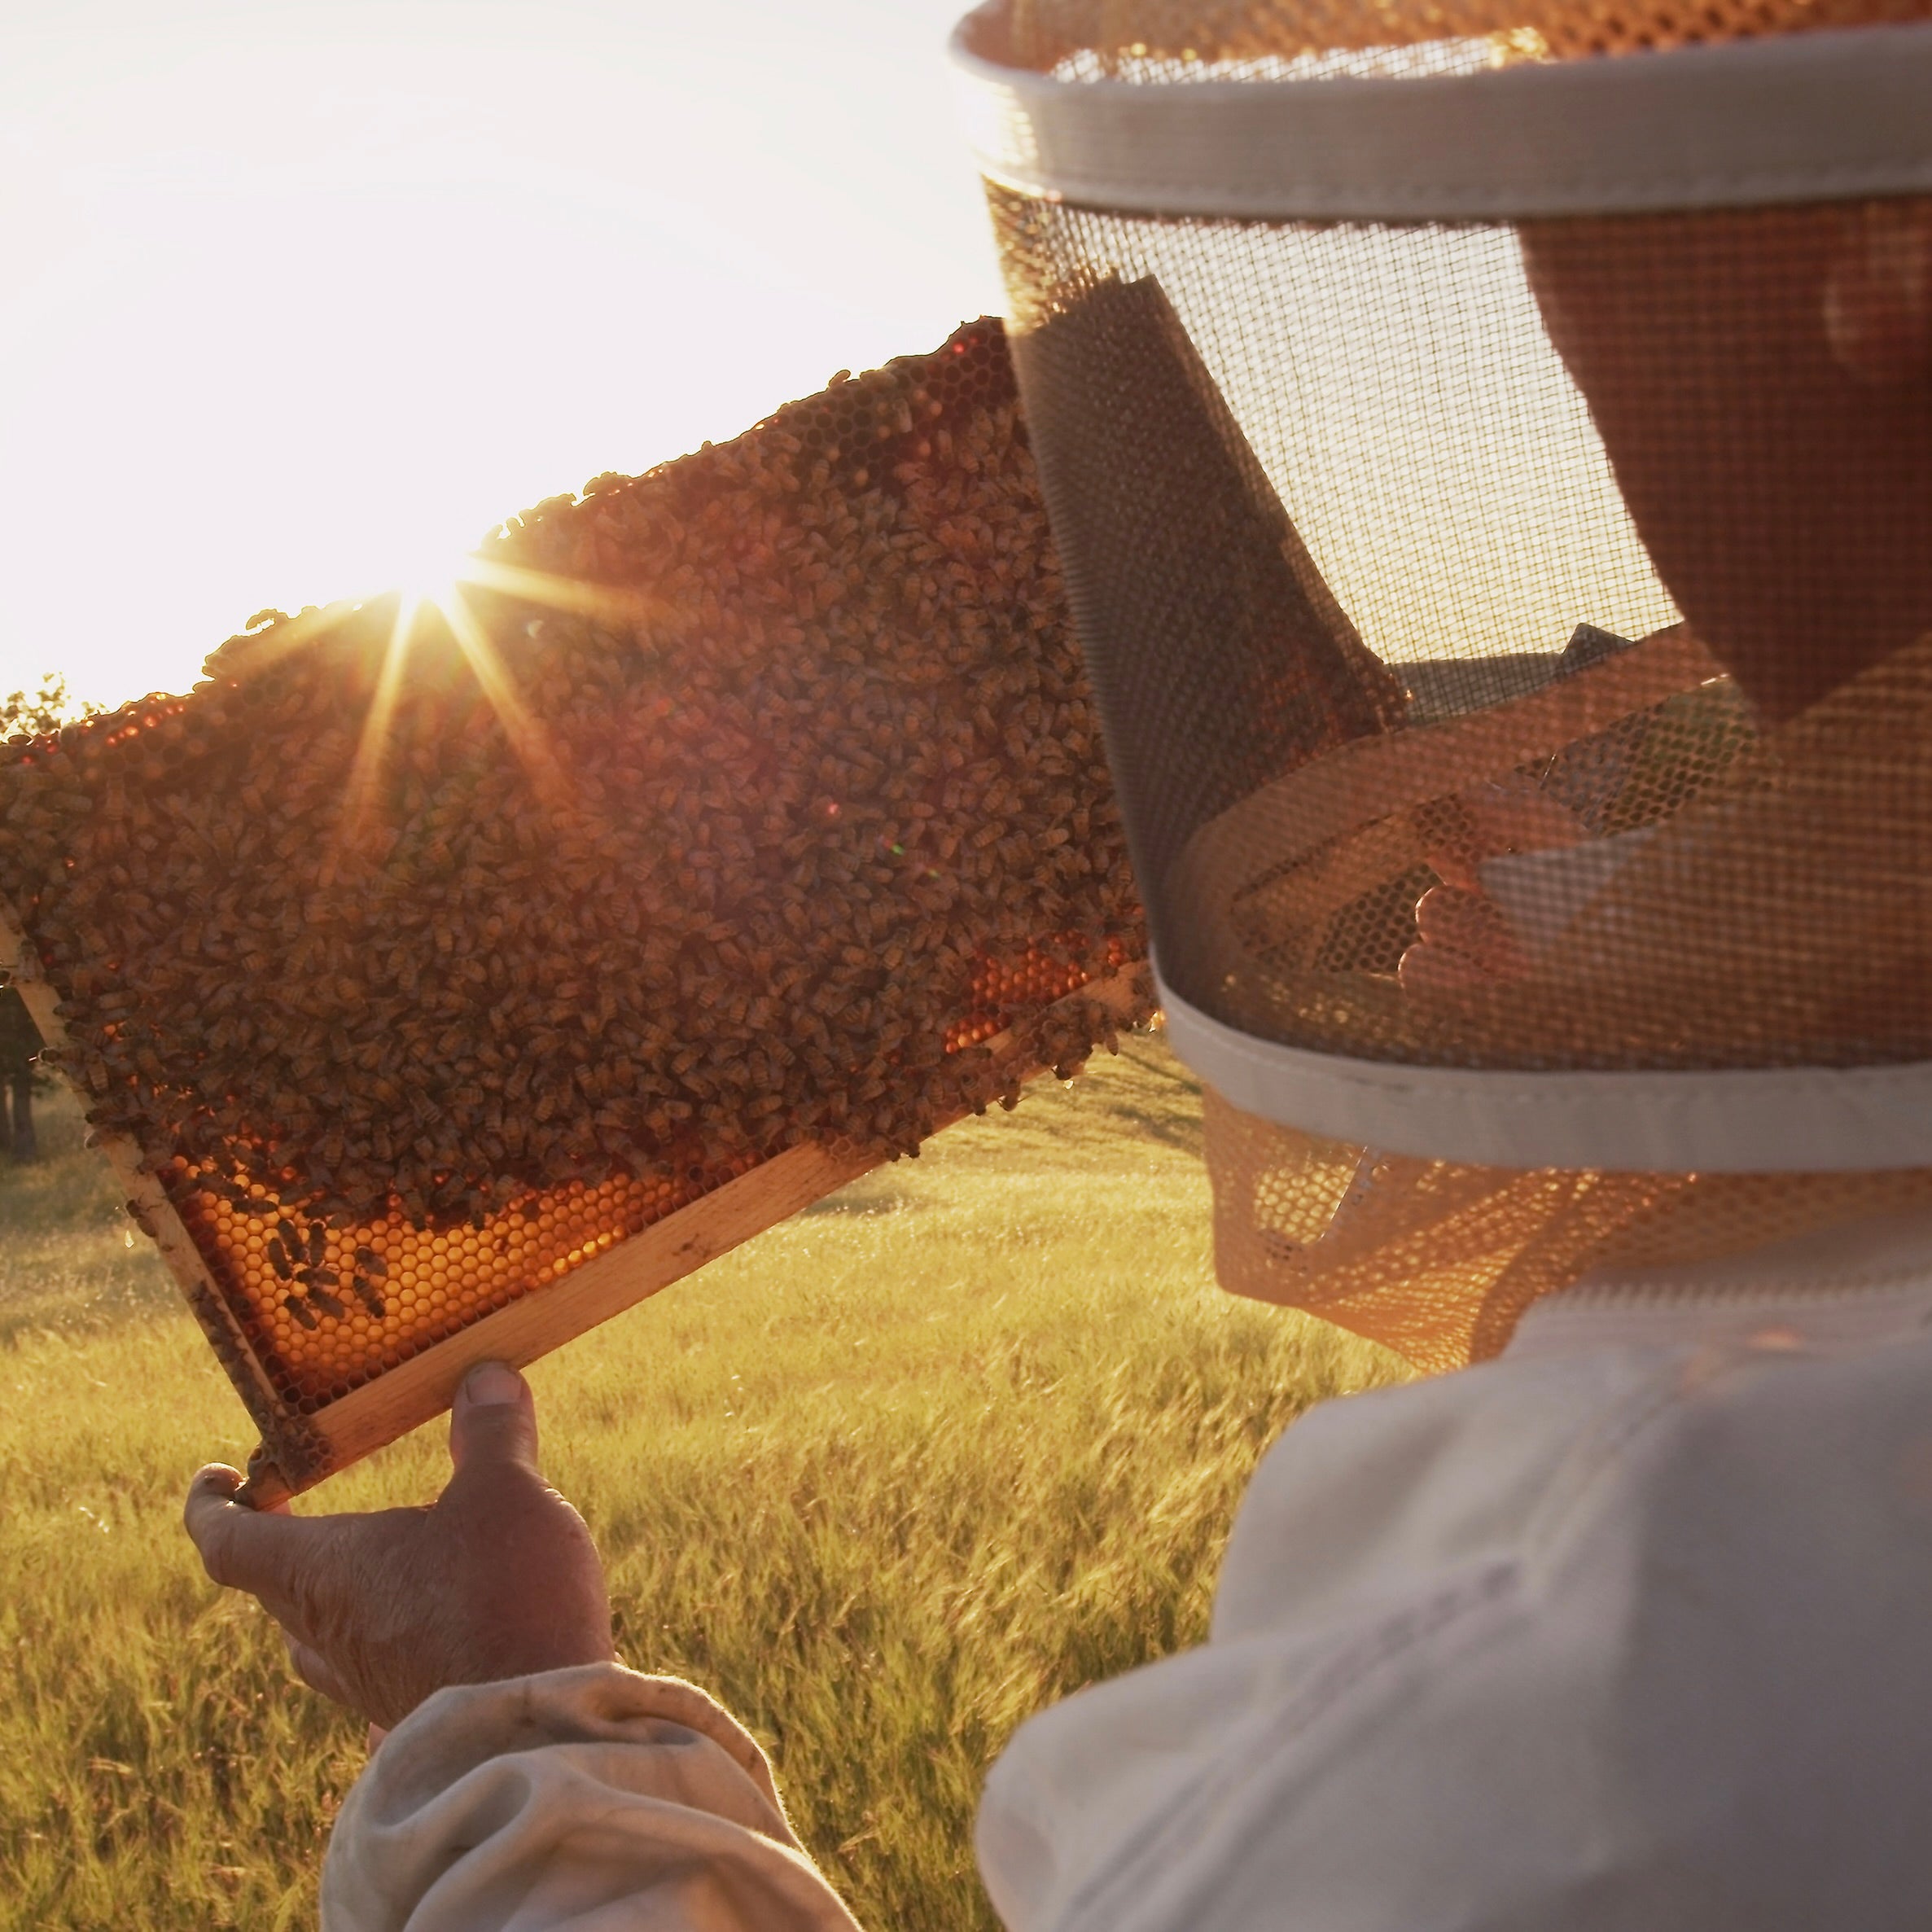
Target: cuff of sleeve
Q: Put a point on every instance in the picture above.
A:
(548, 1800)
(467, 1725)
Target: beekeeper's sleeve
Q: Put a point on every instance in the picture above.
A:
(587, 1800)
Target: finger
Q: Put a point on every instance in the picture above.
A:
(314, 1670)
(241, 1548)
(494, 1419)
(1469, 924)
(292, 1617)
(214, 1478)
(1427, 970)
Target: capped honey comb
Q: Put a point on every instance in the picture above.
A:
(442, 977)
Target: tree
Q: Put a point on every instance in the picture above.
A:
(30, 712)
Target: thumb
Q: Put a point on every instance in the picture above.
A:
(242, 1548)
(494, 1419)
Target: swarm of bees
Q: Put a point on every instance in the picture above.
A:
(731, 806)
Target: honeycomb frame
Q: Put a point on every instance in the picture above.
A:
(241, 979)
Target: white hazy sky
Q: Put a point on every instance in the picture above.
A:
(297, 297)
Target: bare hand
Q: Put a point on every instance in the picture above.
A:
(497, 1579)
(1463, 941)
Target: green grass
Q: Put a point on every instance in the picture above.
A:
(887, 1479)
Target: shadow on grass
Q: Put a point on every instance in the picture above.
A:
(860, 1198)
(1159, 1098)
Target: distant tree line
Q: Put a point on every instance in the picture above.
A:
(46, 709)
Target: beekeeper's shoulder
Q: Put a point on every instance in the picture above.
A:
(1622, 1629)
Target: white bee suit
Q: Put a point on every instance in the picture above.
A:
(1621, 1630)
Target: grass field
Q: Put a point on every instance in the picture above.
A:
(886, 1480)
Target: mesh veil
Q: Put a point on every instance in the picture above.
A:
(1512, 615)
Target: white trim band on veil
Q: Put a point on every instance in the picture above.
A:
(1825, 114)
(1782, 1119)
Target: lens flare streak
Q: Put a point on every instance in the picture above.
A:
(525, 735)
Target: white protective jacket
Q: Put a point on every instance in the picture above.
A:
(1630, 1629)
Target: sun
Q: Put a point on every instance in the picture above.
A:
(444, 590)
(435, 586)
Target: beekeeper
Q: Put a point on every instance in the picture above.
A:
(1622, 1627)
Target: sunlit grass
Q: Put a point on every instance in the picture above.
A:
(69, 1257)
(907, 1468)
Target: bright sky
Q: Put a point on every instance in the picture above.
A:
(297, 297)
